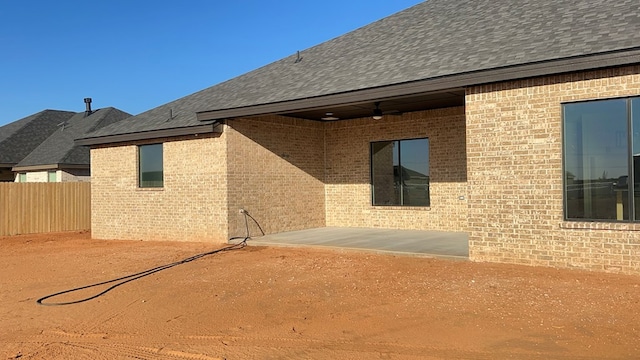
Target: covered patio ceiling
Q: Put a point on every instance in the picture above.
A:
(352, 105)
(390, 106)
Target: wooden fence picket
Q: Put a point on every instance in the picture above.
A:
(27, 208)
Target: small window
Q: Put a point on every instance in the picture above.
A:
(22, 177)
(400, 172)
(51, 176)
(150, 166)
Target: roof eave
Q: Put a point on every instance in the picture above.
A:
(152, 134)
(457, 81)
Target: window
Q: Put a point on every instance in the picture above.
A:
(400, 172)
(51, 176)
(602, 160)
(150, 173)
(22, 177)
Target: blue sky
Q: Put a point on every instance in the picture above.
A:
(138, 54)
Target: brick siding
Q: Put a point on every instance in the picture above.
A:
(192, 205)
(514, 151)
(289, 174)
(275, 173)
(67, 175)
(348, 172)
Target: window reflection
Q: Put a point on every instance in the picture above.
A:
(597, 158)
(635, 128)
(150, 165)
(400, 172)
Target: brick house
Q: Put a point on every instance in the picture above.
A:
(510, 121)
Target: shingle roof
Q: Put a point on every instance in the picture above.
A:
(19, 138)
(434, 39)
(59, 148)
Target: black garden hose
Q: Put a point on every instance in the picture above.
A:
(128, 278)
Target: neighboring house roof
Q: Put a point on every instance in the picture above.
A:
(19, 138)
(59, 150)
(433, 46)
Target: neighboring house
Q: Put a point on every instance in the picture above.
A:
(19, 138)
(494, 101)
(58, 158)
(41, 148)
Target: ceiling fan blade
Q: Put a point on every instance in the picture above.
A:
(392, 112)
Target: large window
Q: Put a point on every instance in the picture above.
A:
(400, 172)
(150, 167)
(602, 160)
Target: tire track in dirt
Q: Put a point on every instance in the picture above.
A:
(61, 344)
(90, 323)
(59, 350)
(95, 347)
(297, 304)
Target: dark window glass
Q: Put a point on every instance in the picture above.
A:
(635, 126)
(150, 165)
(597, 159)
(384, 162)
(400, 172)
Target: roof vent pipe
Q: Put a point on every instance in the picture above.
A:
(87, 102)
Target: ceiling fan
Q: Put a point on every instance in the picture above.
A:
(378, 113)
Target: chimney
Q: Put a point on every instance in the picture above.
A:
(88, 111)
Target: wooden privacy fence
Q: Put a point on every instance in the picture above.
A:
(27, 208)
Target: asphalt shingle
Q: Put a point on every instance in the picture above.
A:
(19, 138)
(59, 148)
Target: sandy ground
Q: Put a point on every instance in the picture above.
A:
(284, 303)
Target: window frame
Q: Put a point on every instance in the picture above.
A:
(149, 184)
(632, 185)
(401, 202)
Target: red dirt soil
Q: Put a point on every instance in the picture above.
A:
(288, 303)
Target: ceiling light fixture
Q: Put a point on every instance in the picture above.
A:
(377, 113)
(329, 117)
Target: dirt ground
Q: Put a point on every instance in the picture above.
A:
(287, 303)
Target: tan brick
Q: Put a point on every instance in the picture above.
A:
(530, 159)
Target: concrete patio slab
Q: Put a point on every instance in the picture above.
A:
(400, 242)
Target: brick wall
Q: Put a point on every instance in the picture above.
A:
(514, 150)
(74, 175)
(348, 173)
(67, 175)
(34, 176)
(275, 173)
(289, 174)
(192, 205)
